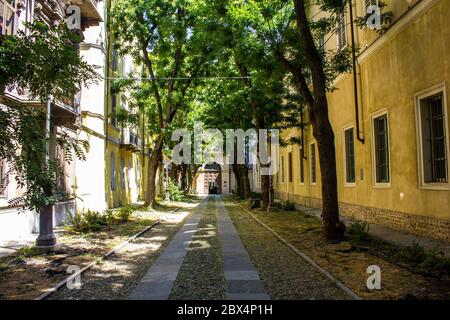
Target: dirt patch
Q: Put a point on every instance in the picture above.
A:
(27, 273)
(348, 262)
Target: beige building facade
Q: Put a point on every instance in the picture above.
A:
(395, 170)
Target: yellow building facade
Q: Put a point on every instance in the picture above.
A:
(398, 174)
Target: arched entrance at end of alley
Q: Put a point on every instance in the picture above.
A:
(212, 182)
(213, 178)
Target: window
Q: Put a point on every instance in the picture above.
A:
(112, 168)
(302, 166)
(341, 31)
(369, 3)
(290, 166)
(321, 42)
(433, 137)
(122, 173)
(9, 21)
(138, 172)
(349, 148)
(2, 178)
(312, 157)
(282, 169)
(113, 109)
(115, 60)
(381, 144)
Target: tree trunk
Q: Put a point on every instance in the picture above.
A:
(183, 182)
(239, 187)
(322, 129)
(265, 188)
(245, 181)
(323, 132)
(154, 159)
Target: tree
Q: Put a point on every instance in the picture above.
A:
(46, 63)
(163, 36)
(285, 28)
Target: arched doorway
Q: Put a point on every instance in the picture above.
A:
(212, 179)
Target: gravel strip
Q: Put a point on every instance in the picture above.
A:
(285, 274)
(116, 277)
(201, 275)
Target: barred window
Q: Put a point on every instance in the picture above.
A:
(381, 136)
(2, 177)
(112, 168)
(302, 167)
(290, 167)
(312, 156)
(342, 31)
(434, 139)
(371, 3)
(122, 173)
(350, 173)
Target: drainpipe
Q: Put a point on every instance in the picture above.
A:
(355, 81)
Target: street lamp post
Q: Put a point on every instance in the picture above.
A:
(46, 238)
(166, 168)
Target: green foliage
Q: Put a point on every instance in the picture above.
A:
(385, 19)
(124, 213)
(176, 194)
(76, 223)
(285, 205)
(3, 267)
(93, 220)
(429, 260)
(289, 206)
(358, 232)
(27, 252)
(256, 195)
(46, 63)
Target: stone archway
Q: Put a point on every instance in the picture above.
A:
(212, 179)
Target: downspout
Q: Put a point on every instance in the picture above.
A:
(107, 62)
(106, 93)
(355, 80)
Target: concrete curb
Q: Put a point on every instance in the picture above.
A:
(58, 286)
(339, 284)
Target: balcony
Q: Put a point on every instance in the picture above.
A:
(130, 141)
(90, 15)
(64, 113)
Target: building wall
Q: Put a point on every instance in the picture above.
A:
(394, 68)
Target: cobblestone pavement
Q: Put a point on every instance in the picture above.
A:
(217, 252)
(228, 256)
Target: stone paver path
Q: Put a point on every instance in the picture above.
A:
(242, 279)
(158, 281)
